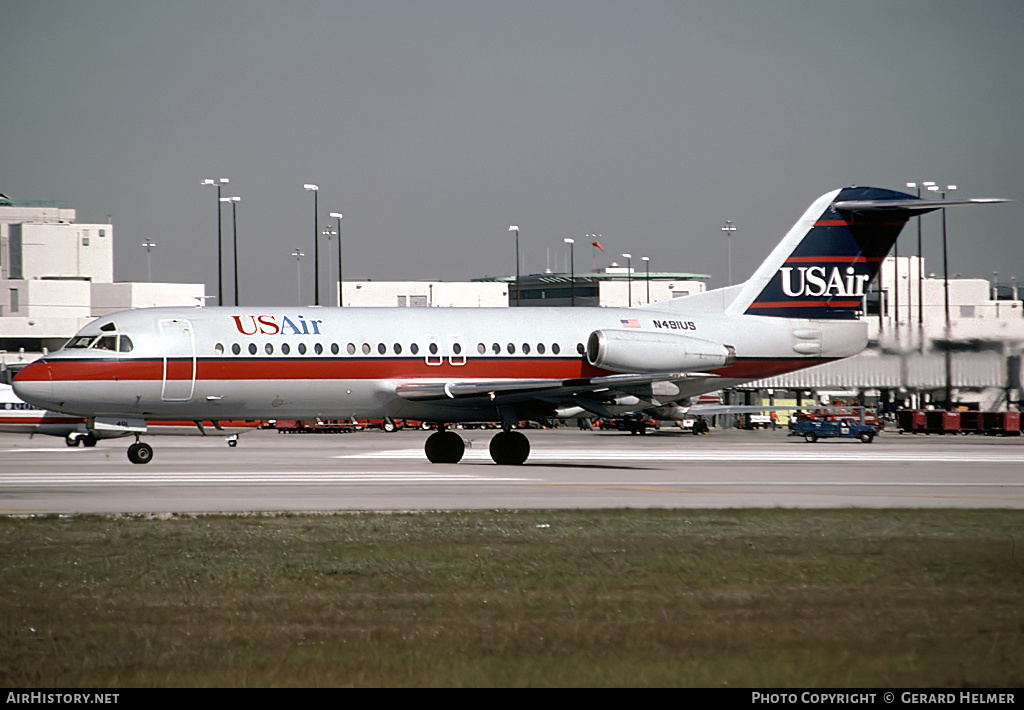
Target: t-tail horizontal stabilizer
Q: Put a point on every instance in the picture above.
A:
(823, 266)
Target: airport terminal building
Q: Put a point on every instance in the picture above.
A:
(56, 275)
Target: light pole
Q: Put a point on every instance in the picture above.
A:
(234, 225)
(149, 244)
(647, 269)
(514, 228)
(729, 229)
(298, 274)
(340, 280)
(316, 245)
(920, 276)
(328, 231)
(629, 279)
(572, 269)
(220, 257)
(945, 289)
(995, 290)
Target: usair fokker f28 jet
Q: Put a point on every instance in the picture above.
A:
(800, 308)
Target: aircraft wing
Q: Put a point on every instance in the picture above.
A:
(710, 409)
(547, 390)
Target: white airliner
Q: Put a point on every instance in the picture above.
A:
(800, 308)
(20, 417)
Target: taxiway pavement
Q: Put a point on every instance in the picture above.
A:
(568, 468)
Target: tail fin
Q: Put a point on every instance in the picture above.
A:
(823, 266)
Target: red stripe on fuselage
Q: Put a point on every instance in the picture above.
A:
(40, 419)
(375, 369)
(759, 369)
(312, 369)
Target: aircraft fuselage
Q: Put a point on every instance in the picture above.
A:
(287, 363)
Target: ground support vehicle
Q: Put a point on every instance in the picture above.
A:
(835, 414)
(312, 426)
(635, 423)
(812, 430)
(937, 421)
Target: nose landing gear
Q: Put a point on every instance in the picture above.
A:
(140, 452)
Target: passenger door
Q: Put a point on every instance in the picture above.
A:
(179, 371)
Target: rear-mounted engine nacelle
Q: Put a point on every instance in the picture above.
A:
(630, 351)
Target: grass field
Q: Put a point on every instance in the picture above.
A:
(780, 598)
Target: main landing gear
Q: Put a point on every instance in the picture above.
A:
(444, 446)
(508, 448)
(75, 439)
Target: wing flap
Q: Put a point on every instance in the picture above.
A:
(535, 389)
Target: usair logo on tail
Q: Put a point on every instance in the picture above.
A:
(833, 287)
(818, 281)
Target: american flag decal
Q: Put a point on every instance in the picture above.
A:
(630, 323)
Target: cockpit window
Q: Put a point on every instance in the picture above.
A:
(80, 341)
(113, 343)
(106, 342)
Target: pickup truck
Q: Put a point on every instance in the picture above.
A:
(813, 429)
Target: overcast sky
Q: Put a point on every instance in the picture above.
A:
(433, 125)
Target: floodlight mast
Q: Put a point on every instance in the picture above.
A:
(316, 244)
(220, 257)
(341, 281)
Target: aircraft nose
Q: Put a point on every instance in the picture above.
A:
(34, 384)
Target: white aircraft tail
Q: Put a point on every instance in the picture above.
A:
(822, 267)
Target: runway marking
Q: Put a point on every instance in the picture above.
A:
(817, 455)
(259, 478)
(41, 450)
